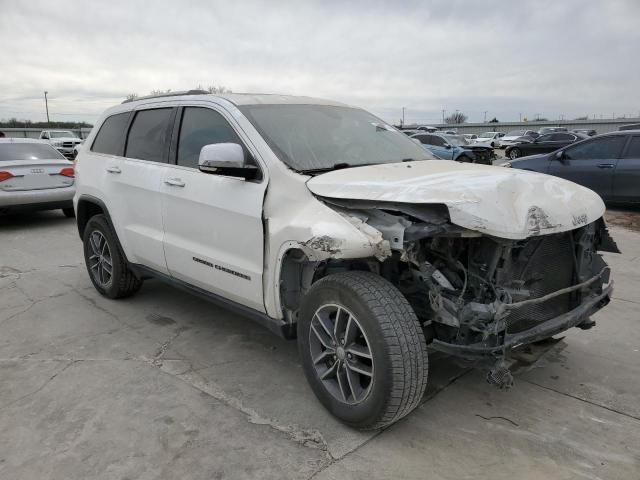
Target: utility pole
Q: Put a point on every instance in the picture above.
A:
(485, 116)
(403, 109)
(443, 112)
(520, 117)
(46, 105)
(456, 117)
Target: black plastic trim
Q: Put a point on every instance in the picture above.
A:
(279, 327)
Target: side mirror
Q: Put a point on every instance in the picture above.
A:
(226, 159)
(45, 137)
(447, 146)
(560, 156)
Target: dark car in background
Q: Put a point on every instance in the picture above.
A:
(608, 164)
(543, 144)
(590, 132)
(455, 147)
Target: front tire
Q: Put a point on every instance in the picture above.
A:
(106, 264)
(515, 153)
(464, 159)
(363, 350)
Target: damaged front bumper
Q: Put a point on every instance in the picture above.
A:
(544, 330)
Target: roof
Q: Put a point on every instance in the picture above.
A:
(244, 98)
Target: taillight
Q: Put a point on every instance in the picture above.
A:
(5, 176)
(68, 172)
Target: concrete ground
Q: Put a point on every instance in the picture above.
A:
(164, 385)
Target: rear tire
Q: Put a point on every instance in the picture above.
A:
(68, 212)
(106, 264)
(515, 153)
(373, 317)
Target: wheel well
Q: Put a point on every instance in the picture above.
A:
(85, 210)
(298, 273)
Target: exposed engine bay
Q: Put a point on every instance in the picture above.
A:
(479, 296)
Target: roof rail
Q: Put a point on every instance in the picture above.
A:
(168, 94)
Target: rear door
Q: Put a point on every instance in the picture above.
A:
(214, 235)
(134, 183)
(626, 177)
(591, 163)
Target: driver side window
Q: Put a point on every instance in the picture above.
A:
(199, 127)
(604, 148)
(438, 141)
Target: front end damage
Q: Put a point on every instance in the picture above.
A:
(480, 297)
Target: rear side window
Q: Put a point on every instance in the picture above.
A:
(149, 134)
(110, 138)
(634, 148)
(200, 127)
(602, 148)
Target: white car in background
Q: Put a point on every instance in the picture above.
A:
(512, 137)
(34, 176)
(489, 139)
(62, 140)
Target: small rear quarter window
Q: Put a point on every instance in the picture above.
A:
(110, 139)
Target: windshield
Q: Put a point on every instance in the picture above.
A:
(62, 134)
(515, 133)
(27, 151)
(456, 140)
(317, 137)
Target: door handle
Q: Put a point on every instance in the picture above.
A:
(174, 182)
(113, 170)
(605, 165)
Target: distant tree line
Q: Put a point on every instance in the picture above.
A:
(15, 123)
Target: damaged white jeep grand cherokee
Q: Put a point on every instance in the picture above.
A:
(319, 220)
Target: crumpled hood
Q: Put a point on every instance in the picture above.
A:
(503, 202)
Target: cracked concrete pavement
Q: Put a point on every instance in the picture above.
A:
(165, 385)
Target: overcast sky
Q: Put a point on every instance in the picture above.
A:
(508, 58)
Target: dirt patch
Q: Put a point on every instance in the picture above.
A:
(627, 218)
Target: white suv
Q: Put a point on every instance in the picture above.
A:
(321, 221)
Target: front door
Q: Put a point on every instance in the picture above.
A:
(214, 236)
(590, 163)
(626, 178)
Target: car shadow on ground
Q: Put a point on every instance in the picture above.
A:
(15, 221)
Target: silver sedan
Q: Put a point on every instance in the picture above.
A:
(34, 176)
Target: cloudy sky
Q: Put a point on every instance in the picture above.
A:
(508, 58)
